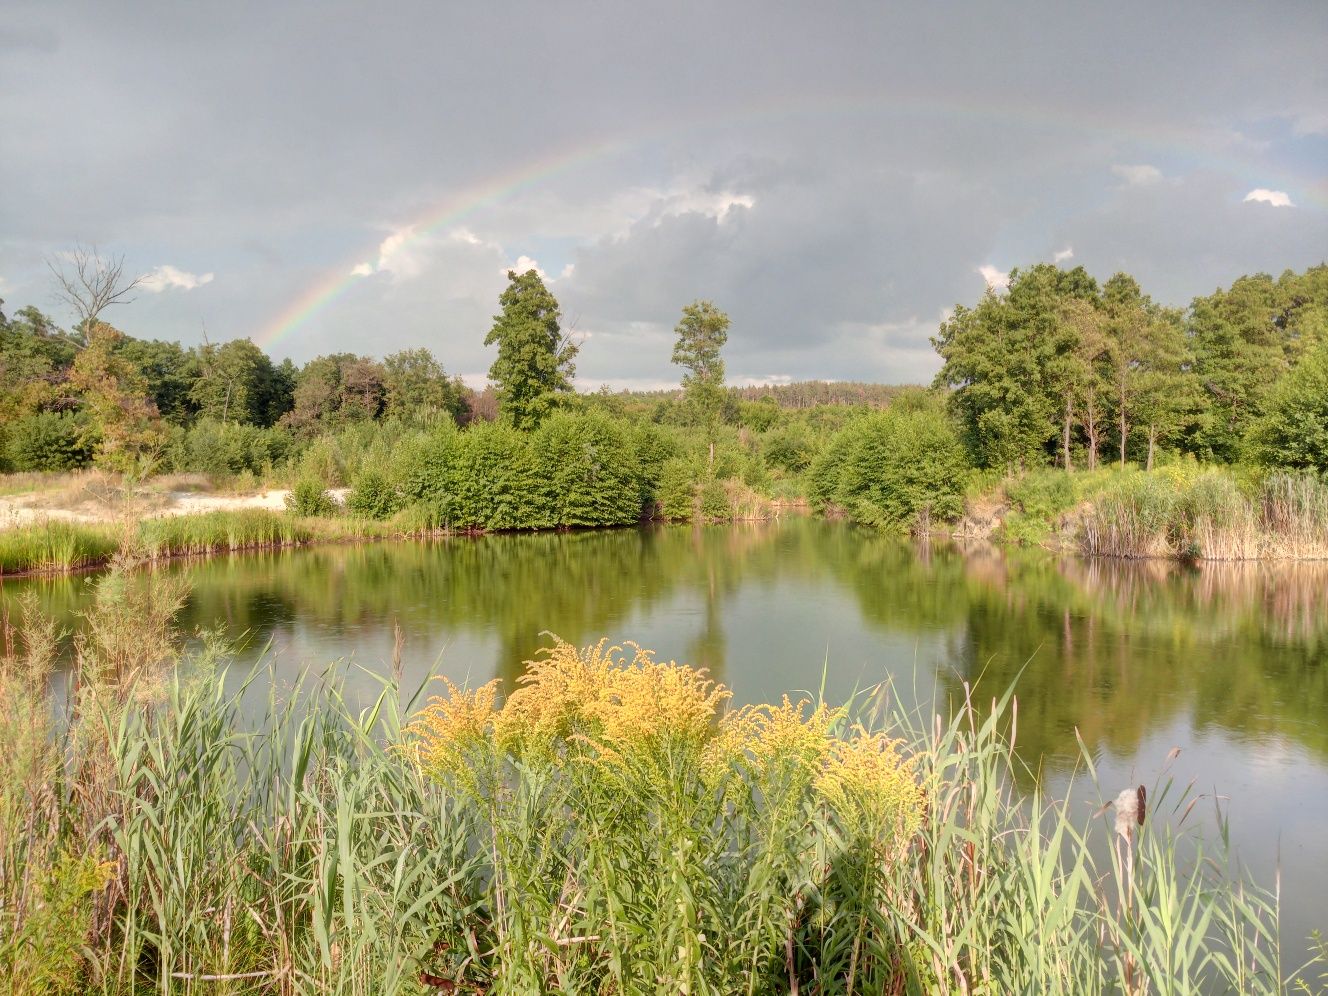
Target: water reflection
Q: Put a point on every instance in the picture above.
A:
(1226, 661)
(1113, 648)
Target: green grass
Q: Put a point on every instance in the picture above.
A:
(56, 547)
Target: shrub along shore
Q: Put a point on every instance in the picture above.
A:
(610, 825)
(1183, 511)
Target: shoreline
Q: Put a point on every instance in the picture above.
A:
(329, 532)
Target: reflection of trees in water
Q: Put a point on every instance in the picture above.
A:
(1112, 647)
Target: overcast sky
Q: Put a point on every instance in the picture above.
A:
(324, 177)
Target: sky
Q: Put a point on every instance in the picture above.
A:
(326, 177)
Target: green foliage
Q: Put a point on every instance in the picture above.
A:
(373, 496)
(224, 449)
(676, 492)
(1042, 493)
(422, 466)
(334, 391)
(712, 500)
(894, 469)
(492, 482)
(588, 471)
(535, 360)
(50, 441)
(1293, 431)
(171, 373)
(309, 497)
(236, 382)
(790, 447)
(417, 387)
(1245, 338)
(702, 333)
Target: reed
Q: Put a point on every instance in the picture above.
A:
(1208, 515)
(54, 546)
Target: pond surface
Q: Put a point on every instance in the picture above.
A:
(1227, 662)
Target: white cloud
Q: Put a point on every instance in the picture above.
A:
(167, 277)
(761, 380)
(996, 279)
(711, 204)
(402, 255)
(1140, 175)
(1063, 255)
(524, 263)
(1275, 198)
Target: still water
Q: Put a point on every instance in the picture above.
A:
(1229, 663)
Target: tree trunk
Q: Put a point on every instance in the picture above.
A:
(1065, 437)
(1124, 433)
(712, 454)
(1152, 444)
(1090, 429)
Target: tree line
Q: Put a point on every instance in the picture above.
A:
(1061, 369)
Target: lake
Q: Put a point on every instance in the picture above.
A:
(1229, 663)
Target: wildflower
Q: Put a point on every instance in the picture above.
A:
(449, 729)
(873, 790)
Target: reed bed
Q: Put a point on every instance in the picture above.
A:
(1207, 515)
(55, 546)
(610, 826)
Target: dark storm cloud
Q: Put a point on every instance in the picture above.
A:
(833, 175)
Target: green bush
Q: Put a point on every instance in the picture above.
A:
(587, 470)
(422, 466)
(676, 491)
(50, 441)
(491, 482)
(714, 500)
(225, 449)
(827, 470)
(308, 497)
(790, 448)
(1042, 494)
(894, 469)
(374, 496)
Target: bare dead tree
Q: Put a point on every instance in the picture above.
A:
(90, 283)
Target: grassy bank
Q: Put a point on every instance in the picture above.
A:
(609, 826)
(56, 547)
(1187, 511)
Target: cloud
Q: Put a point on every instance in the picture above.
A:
(167, 277)
(1063, 255)
(1275, 198)
(1141, 175)
(760, 380)
(996, 279)
(524, 263)
(402, 255)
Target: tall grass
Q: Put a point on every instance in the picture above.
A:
(1206, 514)
(54, 547)
(611, 826)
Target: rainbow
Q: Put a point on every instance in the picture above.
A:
(325, 292)
(1188, 144)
